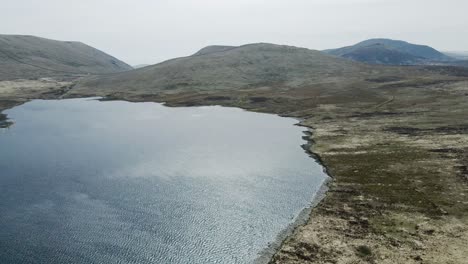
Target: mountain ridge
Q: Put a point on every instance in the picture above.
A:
(25, 56)
(251, 65)
(390, 52)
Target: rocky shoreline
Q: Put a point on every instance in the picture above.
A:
(268, 253)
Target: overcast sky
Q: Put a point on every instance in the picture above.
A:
(149, 31)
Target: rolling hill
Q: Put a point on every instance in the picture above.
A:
(391, 52)
(253, 65)
(213, 49)
(33, 57)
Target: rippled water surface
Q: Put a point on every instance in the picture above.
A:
(83, 181)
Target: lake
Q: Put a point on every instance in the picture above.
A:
(85, 181)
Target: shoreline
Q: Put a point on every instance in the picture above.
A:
(266, 255)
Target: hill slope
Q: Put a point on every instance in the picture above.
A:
(381, 54)
(213, 49)
(391, 52)
(253, 65)
(33, 57)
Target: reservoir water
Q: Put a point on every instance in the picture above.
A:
(84, 181)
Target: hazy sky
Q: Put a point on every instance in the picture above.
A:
(149, 31)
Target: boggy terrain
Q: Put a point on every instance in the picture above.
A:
(393, 139)
(396, 150)
(400, 179)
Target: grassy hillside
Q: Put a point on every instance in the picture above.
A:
(33, 57)
(249, 66)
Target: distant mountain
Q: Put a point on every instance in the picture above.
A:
(248, 66)
(390, 52)
(460, 55)
(213, 49)
(140, 66)
(33, 57)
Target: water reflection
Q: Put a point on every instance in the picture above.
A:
(84, 181)
(5, 122)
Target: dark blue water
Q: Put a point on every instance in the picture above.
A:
(83, 181)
